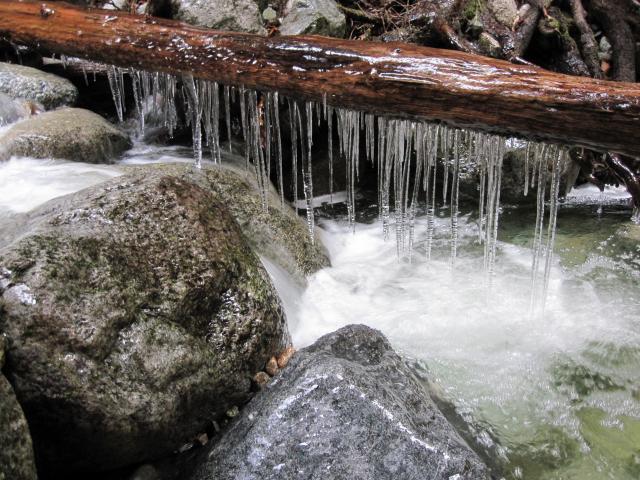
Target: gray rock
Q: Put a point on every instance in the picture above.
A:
(269, 15)
(16, 454)
(505, 11)
(69, 133)
(489, 45)
(136, 314)
(605, 50)
(234, 15)
(345, 407)
(319, 17)
(29, 83)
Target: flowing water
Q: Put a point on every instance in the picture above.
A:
(552, 396)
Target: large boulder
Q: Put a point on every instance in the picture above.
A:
(345, 407)
(136, 314)
(234, 15)
(28, 83)
(16, 453)
(69, 133)
(319, 17)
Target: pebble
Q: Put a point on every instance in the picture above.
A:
(272, 366)
(284, 356)
(261, 379)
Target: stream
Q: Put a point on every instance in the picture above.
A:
(555, 395)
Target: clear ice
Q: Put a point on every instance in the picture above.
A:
(409, 156)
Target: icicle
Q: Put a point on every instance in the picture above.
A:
(116, 92)
(527, 154)
(276, 125)
(195, 111)
(307, 181)
(294, 152)
(493, 152)
(138, 97)
(431, 195)
(227, 115)
(541, 167)
(446, 137)
(245, 128)
(421, 161)
(329, 113)
(558, 159)
(455, 190)
(84, 74)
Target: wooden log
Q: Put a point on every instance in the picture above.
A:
(391, 79)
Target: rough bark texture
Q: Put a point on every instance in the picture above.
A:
(393, 79)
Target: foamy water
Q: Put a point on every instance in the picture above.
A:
(26, 183)
(515, 377)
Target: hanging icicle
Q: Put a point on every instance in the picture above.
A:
(408, 156)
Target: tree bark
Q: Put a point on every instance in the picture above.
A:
(391, 79)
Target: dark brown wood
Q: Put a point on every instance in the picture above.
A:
(392, 79)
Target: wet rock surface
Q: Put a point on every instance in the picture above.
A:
(277, 234)
(28, 83)
(135, 314)
(319, 17)
(16, 453)
(70, 133)
(345, 407)
(234, 15)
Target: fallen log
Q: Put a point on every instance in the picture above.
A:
(390, 79)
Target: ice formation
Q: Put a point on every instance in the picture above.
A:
(409, 156)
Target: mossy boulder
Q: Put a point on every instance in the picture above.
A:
(28, 83)
(136, 314)
(70, 133)
(16, 453)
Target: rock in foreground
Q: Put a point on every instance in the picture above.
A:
(70, 134)
(136, 313)
(345, 407)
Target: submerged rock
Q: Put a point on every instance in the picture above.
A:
(16, 451)
(136, 314)
(345, 407)
(234, 15)
(319, 17)
(29, 83)
(69, 133)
